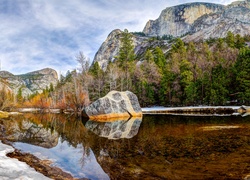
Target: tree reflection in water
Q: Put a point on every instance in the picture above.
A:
(157, 147)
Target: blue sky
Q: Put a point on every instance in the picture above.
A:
(36, 34)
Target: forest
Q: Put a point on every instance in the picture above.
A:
(211, 72)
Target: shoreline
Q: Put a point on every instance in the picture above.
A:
(198, 110)
(41, 166)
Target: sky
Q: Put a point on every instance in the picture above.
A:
(36, 34)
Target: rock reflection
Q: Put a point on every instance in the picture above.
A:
(115, 129)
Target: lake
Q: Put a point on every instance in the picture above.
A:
(155, 147)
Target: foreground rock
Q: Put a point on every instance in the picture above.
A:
(114, 105)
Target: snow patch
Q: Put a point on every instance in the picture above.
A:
(11, 168)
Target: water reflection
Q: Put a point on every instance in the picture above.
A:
(157, 147)
(75, 160)
(23, 130)
(62, 139)
(115, 129)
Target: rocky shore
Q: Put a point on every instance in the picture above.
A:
(41, 166)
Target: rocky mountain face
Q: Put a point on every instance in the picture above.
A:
(110, 47)
(178, 20)
(192, 21)
(235, 18)
(29, 83)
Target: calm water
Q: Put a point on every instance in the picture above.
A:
(155, 147)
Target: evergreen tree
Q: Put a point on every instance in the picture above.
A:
(126, 56)
(51, 87)
(230, 39)
(219, 86)
(240, 42)
(242, 68)
(19, 95)
(126, 52)
(95, 69)
(159, 57)
(149, 57)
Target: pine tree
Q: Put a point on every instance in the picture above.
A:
(126, 52)
(149, 57)
(126, 55)
(242, 68)
(230, 39)
(160, 60)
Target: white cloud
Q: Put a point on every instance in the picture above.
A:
(39, 34)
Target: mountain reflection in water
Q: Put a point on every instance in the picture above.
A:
(157, 147)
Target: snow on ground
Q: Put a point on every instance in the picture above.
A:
(161, 108)
(12, 169)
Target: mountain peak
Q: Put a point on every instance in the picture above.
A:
(30, 82)
(178, 20)
(192, 21)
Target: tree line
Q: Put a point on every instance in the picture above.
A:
(211, 72)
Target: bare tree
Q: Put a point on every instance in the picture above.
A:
(113, 74)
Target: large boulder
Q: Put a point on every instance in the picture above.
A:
(114, 105)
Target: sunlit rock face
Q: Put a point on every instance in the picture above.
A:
(109, 49)
(114, 105)
(192, 21)
(31, 82)
(25, 131)
(178, 20)
(115, 129)
(12, 83)
(235, 18)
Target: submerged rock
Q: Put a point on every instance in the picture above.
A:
(114, 105)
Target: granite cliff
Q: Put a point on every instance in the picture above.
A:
(192, 22)
(178, 20)
(29, 83)
(110, 47)
(235, 18)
